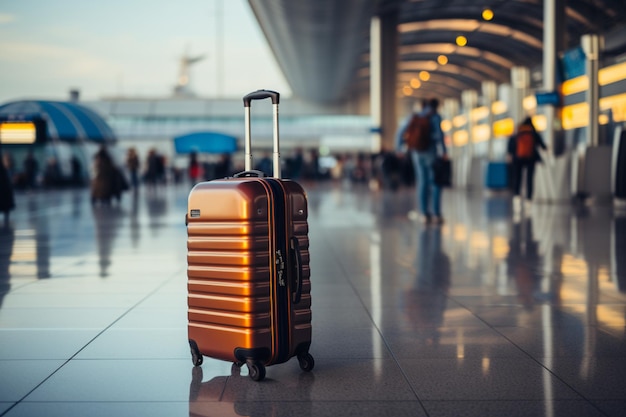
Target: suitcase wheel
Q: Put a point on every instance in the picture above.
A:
(306, 362)
(196, 356)
(256, 370)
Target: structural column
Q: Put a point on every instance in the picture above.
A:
(450, 110)
(469, 99)
(520, 81)
(383, 68)
(490, 91)
(553, 44)
(592, 45)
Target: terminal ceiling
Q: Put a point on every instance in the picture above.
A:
(322, 46)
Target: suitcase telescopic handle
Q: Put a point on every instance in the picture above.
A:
(247, 102)
(295, 249)
(260, 95)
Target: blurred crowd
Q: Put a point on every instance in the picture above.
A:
(110, 173)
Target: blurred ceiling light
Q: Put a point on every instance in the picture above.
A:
(442, 59)
(480, 133)
(540, 122)
(503, 128)
(446, 125)
(460, 138)
(407, 91)
(529, 103)
(459, 120)
(499, 107)
(479, 113)
(424, 75)
(603, 119)
(487, 14)
(415, 83)
(461, 40)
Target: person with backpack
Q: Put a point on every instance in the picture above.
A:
(523, 154)
(423, 137)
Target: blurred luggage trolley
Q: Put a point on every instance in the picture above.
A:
(249, 288)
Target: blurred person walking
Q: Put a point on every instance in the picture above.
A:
(523, 154)
(423, 136)
(193, 169)
(9, 165)
(151, 176)
(132, 164)
(31, 169)
(7, 199)
(108, 181)
(224, 167)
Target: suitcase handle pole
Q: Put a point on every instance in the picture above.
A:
(247, 103)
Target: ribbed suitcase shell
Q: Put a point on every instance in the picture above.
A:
(238, 311)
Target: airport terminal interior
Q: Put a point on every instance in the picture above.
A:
(498, 310)
(494, 313)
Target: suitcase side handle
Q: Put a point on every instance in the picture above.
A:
(295, 250)
(260, 95)
(247, 100)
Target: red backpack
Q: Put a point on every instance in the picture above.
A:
(417, 134)
(525, 142)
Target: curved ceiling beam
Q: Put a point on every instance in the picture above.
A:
(524, 15)
(508, 48)
(450, 49)
(455, 83)
(436, 88)
(472, 25)
(448, 69)
(461, 72)
(428, 62)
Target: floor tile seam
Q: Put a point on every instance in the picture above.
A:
(330, 400)
(478, 400)
(81, 349)
(91, 292)
(294, 401)
(533, 358)
(386, 342)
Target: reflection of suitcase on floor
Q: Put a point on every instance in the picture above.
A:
(497, 175)
(248, 266)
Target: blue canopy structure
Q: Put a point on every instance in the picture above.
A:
(205, 142)
(64, 121)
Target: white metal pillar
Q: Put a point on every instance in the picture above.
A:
(592, 46)
(469, 99)
(490, 91)
(469, 170)
(553, 43)
(450, 110)
(383, 73)
(520, 81)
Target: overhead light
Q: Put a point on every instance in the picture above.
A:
(424, 75)
(407, 91)
(442, 59)
(487, 14)
(415, 83)
(461, 40)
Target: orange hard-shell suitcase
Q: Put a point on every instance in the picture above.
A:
(249, 288)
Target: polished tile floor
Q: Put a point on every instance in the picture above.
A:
(491, 314)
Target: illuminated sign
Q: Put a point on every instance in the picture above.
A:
(18, 133)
